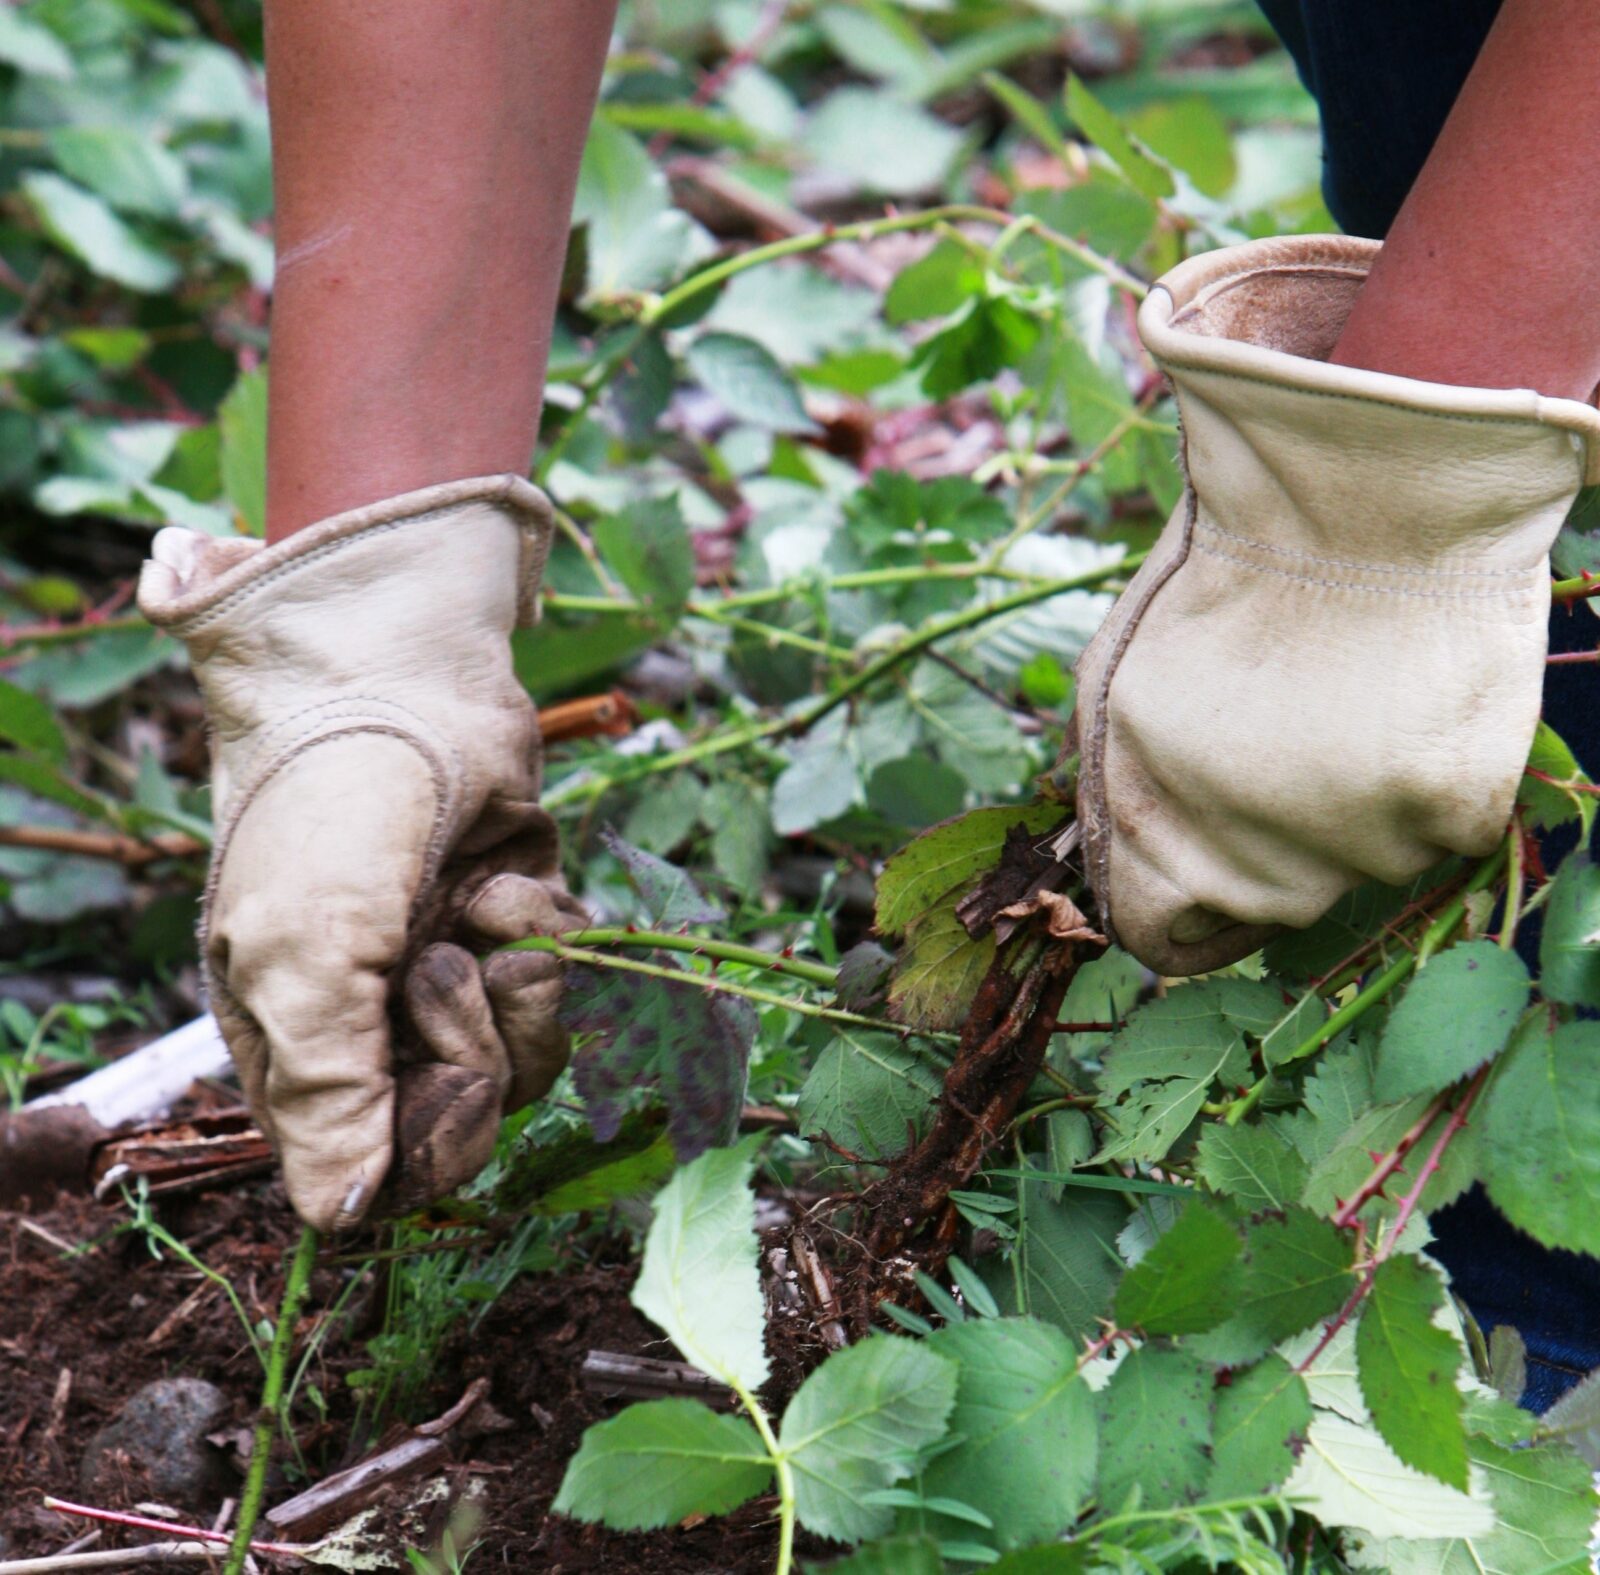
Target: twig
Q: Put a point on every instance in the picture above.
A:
(255, 1481)
(111, 845)
(113, 1559)
(646, 1377)
(115, 1517)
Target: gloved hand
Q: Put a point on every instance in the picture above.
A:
(1329, 668)
(375, 785)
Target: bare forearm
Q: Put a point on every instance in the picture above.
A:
(425, 157)
(1490, 276)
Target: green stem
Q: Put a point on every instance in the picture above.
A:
(1433, 938)
(722, 951)
(785, 1473)
(255, 1480)
(65, 634)
(591, 788)
(718, 986)
(765, 595)
(870, 229)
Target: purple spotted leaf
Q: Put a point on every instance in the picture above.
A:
(690, 1045)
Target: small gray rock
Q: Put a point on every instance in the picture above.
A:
(158, 1442)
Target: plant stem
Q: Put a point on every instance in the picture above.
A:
(255, 1481)
(1435, 936)
(697, 945)
(785, 1472)
(65, 633)
(1402, 1218)
(1389, 1163)
(870, 229)
(704, 981)
(590, 788)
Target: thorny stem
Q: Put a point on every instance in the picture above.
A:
(255, 1481)
(870, 229)
(1402, 1218)
(1389, 1163)
(592, 787)
(1433, 938)
(785, 1472)
(721, 951)
(703, 981)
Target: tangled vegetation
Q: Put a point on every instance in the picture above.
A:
(852, 444)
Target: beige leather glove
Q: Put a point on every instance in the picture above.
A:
(1329, 668)
(375, 784)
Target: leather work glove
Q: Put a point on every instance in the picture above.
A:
(375, 785)
(1329, 669)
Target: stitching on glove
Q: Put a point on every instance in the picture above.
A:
(200, 621)
(1353, 585)
(274, 737)
(1212, 528)
(434, 850)
(1534, 420)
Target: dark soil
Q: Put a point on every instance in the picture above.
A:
(95, 1315)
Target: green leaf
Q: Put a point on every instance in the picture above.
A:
(1348, 1476)
(670, 896)
(1569, 945)
(936, 285)
(1155, 1429)
(84, 225)
(1457, 1013)
(738, 816)
(1558, 802)
(1065, 1266)
(636, 238)
(1250, 1164)
(1541, 1134)
(1103, 129)
(1408, 1370)
(131, 171)
(647, 544)
(1544, 1504)
(32, 48)
(747, 380)
(796, 312)
(949, 855)
(1295, 1269)
(1190, 135)
(821, 782)
(1026, 1424)
(867, 1092)
(654, 1464)
(242, 419)
(989, 335)
(1029, 113)
(893, 1556)
(1186, 1034)
(857, 1425)
(27, 722)
(1185, 1283)
(689, 1043)
(1262, 1415)
(938, 973)
(880, 143)
(698, 1281)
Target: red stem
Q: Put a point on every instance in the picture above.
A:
(1402, 1218)
(1389, 1164)
(171, 1527)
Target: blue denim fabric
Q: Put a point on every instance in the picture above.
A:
(1384, 74)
